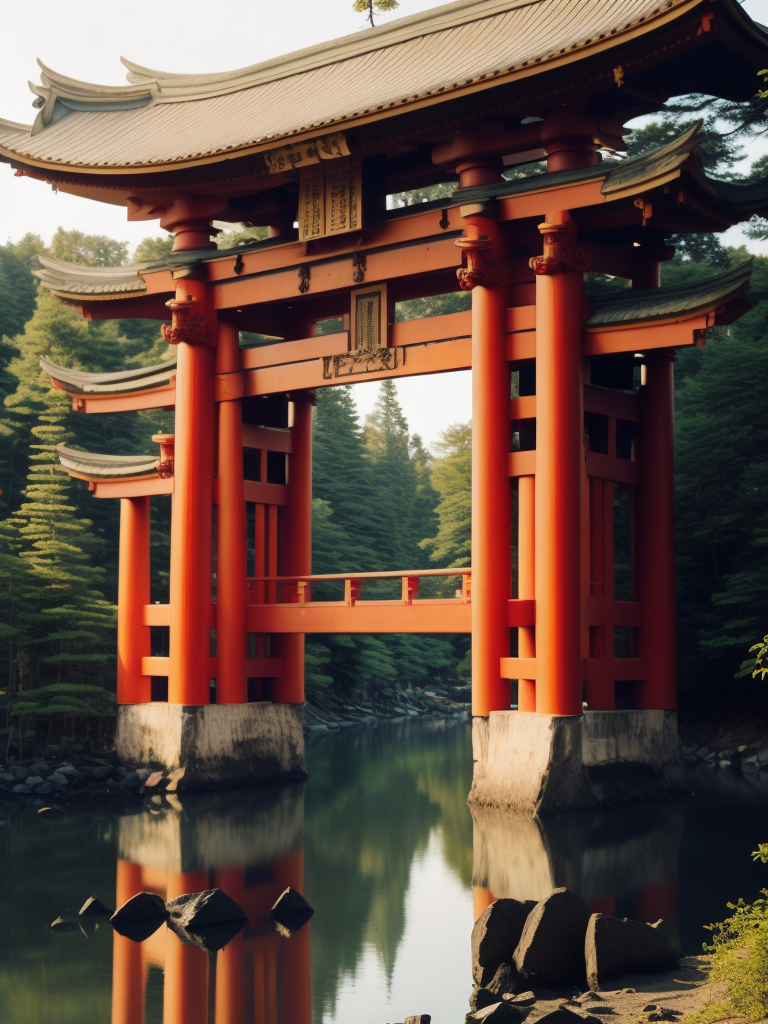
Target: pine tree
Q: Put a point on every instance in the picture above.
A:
(370, 7)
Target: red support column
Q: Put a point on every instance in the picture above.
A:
(526, 582)
(656, 534)
(127, 963)
(133, 637)
(296, 544)
(559, 458)
(231, 643)
(191, 519)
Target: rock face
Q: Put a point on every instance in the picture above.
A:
(565, 1015)
(290, 912)
(495, 936)
(93, 907)
(498, 1013)
(614, 947)
(139, 916)
(211, 908)
(551, 948)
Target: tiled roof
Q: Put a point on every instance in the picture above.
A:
(80, 382)
(678, 301)
(75, 279)
(106, 466)
(163, 119)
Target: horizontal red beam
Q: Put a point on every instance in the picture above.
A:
(259, 668)
(623, 669)
(450, 616)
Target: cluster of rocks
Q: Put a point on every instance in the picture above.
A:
(208, 919)
(745, 758)
(332, 714)
(419, 1018)
(49, 776)
(523, 951)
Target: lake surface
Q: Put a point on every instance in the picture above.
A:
(382, 844)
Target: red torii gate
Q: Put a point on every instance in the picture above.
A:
(521, 246)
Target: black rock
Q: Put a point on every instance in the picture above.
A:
(419, 1018)
(481, 998)
(93, 907)
(565, 1015)
(211, 938)
(102, 772)
(21, 789)
(45, 790)
(131, 781)
(551, 948)
(523, 999)
(61, 926)
(498, 1013)
(51, 813)
(614, 947)
(495, 936)
(139, 916)
(290, 912)
(501, 981)
(211, 908)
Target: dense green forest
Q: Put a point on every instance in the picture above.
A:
(381, 499)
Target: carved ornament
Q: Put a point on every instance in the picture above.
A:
(476, 269)
(359, 361)
(304, 273)
(359, 267)
(556, 256)
(188, 324)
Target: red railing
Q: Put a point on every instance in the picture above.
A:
(298, 589)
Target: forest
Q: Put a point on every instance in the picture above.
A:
(382, 500)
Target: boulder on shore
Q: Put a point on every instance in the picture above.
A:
(565, 1015)
(498, 1013)
(614, 946)
(419, 1018)
(495, 936)
(551, 949)
(211, 908)
(139, 916)
(290, 912)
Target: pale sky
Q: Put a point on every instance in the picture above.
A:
(85, 39)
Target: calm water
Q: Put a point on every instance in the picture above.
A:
(382, 844)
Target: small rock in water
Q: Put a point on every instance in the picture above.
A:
(45, 790)
(174, 779)
(58, 779)
(290, 912)
(51, 813)
(654, 1016)
(208, 909)
(103, 771)
(93, 907)
(143, 773)
(604, 1011)
(131, 781)
(7, 777)
(140, 916)
(61, 925)
(34, 780)
(154, 780)
(21, 789)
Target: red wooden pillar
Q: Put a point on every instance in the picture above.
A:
(133, 637)
(231, 643)
(559, 458)
(656, 534)
(191, 518)
(491, 436)
(127, 963)
(296, 544)
(526, 582)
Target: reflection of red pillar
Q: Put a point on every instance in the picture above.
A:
(230, 961)
(189, 671)
(652, 902)
(295, 974)
(185, 992)
(127, 963)
(231, 684)
(133, 637)
(296, 545)
(482, 898)
(559, 461)
(656, 534)
(526, 583)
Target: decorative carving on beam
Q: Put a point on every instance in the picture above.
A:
(239, 264)
(359, 361)
(556, 256)
(359, 267)
(164, 464)
(476, 269)
(188, 324)
(330, 200)
(304, 273)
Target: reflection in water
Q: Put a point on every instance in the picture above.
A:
(382, 844)
(252, 850)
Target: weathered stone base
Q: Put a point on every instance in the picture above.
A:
(538, 763)
(219, 746)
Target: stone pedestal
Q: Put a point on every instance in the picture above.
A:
(537, 763)
(219, 746)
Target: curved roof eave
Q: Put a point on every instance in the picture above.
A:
(437, 71)
(106, 467)
(82, 382)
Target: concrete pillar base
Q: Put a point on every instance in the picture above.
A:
(219, 746)
(539, 763)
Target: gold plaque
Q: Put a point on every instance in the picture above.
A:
(369, 318)
(330, 200)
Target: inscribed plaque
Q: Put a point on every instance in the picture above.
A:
(311, 205)
(330, 200)
(369, 318)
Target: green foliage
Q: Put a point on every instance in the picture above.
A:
(229, 239)
(452, 479)
(761, 668)
(88, 250)
(370, 7)
(153, 248)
